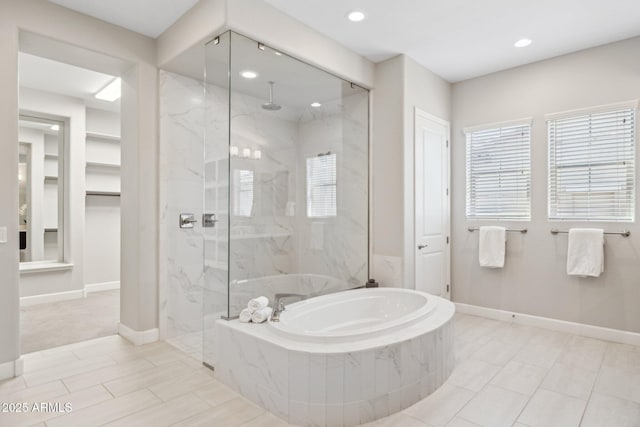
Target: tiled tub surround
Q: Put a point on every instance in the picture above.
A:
(337, 383)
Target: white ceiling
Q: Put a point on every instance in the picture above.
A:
(56, 77)
(456, 39)
(461, 39)
(148, 17)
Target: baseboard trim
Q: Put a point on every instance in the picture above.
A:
(598, 332)
(138, 337)
(45, 298)
(11, 369)
(98, 287)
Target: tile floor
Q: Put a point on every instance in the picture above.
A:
(507, 375)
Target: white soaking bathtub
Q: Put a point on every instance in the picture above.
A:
(341, 359)
(354, 314)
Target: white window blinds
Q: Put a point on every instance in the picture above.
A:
(499, 173)
(321, 186)
(592, 166)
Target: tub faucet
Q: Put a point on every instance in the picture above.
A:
(278, 305)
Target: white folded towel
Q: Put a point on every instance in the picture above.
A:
(491, 247)
(245, 316)
(257, 304)
(261, 315)
(585, 254)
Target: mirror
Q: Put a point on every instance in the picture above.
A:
(41, 195)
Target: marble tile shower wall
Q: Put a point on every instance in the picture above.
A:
(340, 127)
(182, 129)
(274, 237)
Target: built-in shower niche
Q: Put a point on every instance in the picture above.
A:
(286, 173)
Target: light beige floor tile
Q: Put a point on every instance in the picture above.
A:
(35, 394)
(66, 370)
(570, 380)
(266, 420)
(233, 413)
(519, 377)
(514, 333)
(216, 393)
(147, 378)
(107, 411)
(459, 422)
(494, 406)
(400, 419)
(549, 337)
(164, 414)
(108, 373)
(622, 356)
(33, 364)
(441, 406)
(619, 383)
(466, 349)
(473, 374)
(539, 354)
(550, 409)
(610, 411)
(497, 352)
(198, 379)
(11, 385)
(78, 400)
(108, 346)
(585, 353)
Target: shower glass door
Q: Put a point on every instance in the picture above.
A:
(286, 175)
(215, 220)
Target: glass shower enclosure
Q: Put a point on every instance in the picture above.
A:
(286, 191)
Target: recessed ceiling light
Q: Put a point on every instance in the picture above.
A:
(248, 74)
(522, 43)
(55, 127)
(356, 16)
(316, 105)
(110, 92)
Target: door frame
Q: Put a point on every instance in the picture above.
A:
(418, 113)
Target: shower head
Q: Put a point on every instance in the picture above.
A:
(271, 106)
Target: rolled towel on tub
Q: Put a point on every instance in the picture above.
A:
(245, 316)
(257, 304)
(261, 315)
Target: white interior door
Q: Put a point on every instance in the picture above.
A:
(431, 204)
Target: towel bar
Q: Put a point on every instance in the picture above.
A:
(624, 233)
(519, 230)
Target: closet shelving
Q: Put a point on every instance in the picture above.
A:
(102, 164)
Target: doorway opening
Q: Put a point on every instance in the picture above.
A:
(69, 164)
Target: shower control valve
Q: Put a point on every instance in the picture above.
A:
(209, 220)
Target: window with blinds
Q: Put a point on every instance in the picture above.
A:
(592, 166)
(499, 173)
(321, 186)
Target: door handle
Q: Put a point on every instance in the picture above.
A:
(420, 247)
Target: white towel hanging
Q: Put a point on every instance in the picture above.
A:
(491, 246)
(585, 252)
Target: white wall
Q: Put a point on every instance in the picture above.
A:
(401, 85)
(534, 279)
(102, 213)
